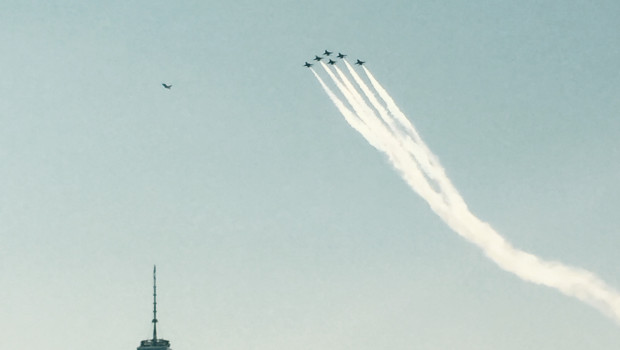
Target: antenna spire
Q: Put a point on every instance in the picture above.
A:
(154, 304)
(154, 344)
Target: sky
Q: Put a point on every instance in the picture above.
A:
(274, 224)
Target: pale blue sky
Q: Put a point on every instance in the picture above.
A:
(274, 225)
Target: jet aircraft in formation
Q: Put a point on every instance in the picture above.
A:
(327, 53)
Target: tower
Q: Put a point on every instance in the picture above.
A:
(154, 344)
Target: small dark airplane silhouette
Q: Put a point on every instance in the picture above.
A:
(341, 55)
(317, 58)
(308, 65)
(327, 53)
(359, 63)
(166, 86)
(332, 62)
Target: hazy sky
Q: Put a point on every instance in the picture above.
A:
(273, 224)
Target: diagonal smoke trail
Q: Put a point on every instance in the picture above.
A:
(372, 99)
(419, 151)
(378, 138)
(409, 155)
(392, 107)
(437, 171)
(349, 116)
(357, 97)
(409, 169)
(360, 107)
(356, 104)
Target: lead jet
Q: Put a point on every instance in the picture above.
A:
(327, 53)
(166, 86)
(359, 63)
(317, 58)
(332, 62)
(308, 65)
(341, 55)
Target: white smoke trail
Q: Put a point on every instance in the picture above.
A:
(410, 156)
(435, 170)
(383, 140)
(351, 118)
(356, 104)
(418, 149)
(361, 108)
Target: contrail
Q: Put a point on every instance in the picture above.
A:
(385, 141)
(434, 169)
(378, 119)
(349, 116)
(417, 148)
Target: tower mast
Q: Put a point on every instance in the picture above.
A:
(154, 344)
(154, 304)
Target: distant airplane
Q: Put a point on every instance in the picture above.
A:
(317, 58)
(166, 86)
(340, 55)
(359, 63)
(332, 62)
(327, 53)
(308, 65)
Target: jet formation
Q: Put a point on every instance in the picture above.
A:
(327, 53)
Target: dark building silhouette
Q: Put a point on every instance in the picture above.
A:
(154, 344)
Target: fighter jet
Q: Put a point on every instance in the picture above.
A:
(341, 55)
(359, 63)
(308, 65)
(327, 53)
(332, 62)
(166, 86)
(317, 58)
